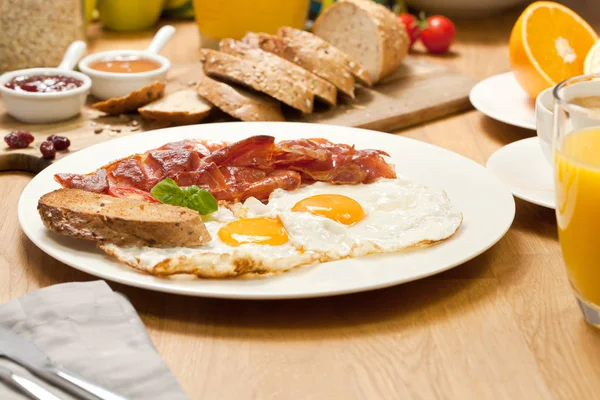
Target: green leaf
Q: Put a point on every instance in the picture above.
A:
(192, 197)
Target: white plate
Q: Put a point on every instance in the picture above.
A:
(500, 97)
(523, 167)
(487, 206)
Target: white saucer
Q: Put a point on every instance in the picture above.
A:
(523, 167)
(500, 97)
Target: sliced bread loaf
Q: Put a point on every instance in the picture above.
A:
(321, 88)
(327, 52)
(133, 101)
(262, 77)
(181, 108)
(304, 56)
(239, 102)
(118, 220)
(368, 32)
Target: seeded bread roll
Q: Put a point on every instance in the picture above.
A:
(239, 102)
(317, 62)
(263, 77)
(321, 89)
(367, 32)
(327, 51)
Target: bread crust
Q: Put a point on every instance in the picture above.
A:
(133, 101)
(168, 109)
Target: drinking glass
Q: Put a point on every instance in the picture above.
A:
(576, 147)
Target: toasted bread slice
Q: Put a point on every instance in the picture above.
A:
(121, 221)
(366, 31)
(328, 51)
(322, 89)
(133, 101)
(317, 62)
(262, 77)
(239, 102)
(180, 108)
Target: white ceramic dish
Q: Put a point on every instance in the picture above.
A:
(523, 168)
(544, 114)
(40, 108)
(487, 206)
(107, 85)
(500, 97)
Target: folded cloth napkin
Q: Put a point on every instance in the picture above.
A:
(94, 332)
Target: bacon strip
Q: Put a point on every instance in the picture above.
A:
(254, 166)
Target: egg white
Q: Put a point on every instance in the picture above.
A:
(399, 214)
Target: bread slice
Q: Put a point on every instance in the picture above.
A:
(133, 101)
(262, 77)
(238, 102)
(119, 220)
(327, 51)
(180, 108)
(367, 32)
(304, 56)
(321, 88)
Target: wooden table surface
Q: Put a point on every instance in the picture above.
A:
(504, 325)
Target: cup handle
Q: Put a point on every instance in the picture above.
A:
(73, 54)
(161, 38)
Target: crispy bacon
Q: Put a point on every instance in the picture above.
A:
(254, 166)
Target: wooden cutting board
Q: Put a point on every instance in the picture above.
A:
(418, 91)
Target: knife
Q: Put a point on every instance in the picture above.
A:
(29, 356)
(26, 385)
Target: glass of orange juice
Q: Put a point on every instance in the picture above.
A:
(577, 183)
(234, 18)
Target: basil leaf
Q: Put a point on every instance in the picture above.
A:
(202, 201)
(192, 197)
(168, 192)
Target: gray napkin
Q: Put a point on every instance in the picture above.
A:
(94, 332)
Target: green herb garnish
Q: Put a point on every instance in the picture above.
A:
(192, 197)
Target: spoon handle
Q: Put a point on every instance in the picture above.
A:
(73, 54)
(161, 38)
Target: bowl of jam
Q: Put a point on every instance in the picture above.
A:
(44, 95)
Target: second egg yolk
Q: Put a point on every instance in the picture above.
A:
(266, 231)
(342, 209)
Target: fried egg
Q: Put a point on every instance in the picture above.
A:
(316, 223)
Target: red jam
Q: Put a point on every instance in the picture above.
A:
(43, 83)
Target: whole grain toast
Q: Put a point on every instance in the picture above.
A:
(238, 102)
(328, 51)
(180, 108)
(322, 89)
(262, 77)
(133, 101)
(317, 62)
(121, 221)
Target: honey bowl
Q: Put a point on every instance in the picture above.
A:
(117, 73)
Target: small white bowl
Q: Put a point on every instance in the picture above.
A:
(40, 108)
(106, 85)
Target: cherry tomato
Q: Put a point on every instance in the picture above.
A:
(412, 26)
(132, 193)
(438, 34)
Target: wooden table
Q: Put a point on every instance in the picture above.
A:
(504, 325)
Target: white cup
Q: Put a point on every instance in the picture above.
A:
(544, 119)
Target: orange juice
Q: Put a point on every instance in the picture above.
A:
(234, 18)
(577, 176)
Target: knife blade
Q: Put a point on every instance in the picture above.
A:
(26, 385)
(29, 356)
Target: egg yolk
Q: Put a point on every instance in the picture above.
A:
(339, 208)
(267, 231)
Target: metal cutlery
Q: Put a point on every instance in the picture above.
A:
(29, 356)
(26, 385)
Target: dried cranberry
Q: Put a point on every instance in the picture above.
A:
(18, 139)
(60, 142)
(48, 150)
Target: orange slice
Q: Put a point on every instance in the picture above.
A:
(548, 44)
(592, 61)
